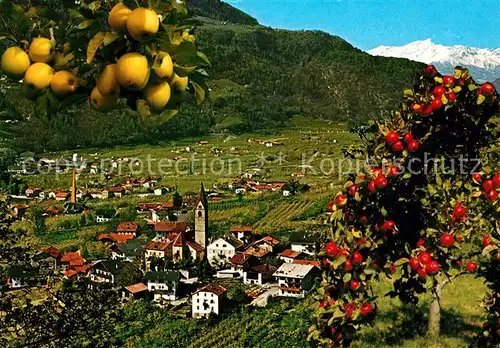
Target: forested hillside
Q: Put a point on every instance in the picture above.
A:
(260, 78)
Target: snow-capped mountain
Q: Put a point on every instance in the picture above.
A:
(484, 64)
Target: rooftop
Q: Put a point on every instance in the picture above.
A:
(127, 227)
(136, 288)
(213, 288)
(172, 276)
(290, 253)
(293, 270)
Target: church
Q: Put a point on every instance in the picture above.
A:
(177, 241)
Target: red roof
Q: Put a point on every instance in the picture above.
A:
(240, 258)
(306, 262)
(71, 255)
(235, 229)
(166, 226)
(115, 189)
(77, 262)
(159, 246)
(62, 194)
(179, 241)
(21, 206)
(136, 288)
(215, 199)
(290, 253)
(52, 251)
(127, 227)
(118, 238)
(213, 288)
(256, 251)
(264, 269)
(156, 206)
(81, 269)
(270, 240)
(70, 273)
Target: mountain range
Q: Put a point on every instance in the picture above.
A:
(483, 63)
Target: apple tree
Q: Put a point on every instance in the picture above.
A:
(417, 210)
(65, 52)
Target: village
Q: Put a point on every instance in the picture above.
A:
(168, 253)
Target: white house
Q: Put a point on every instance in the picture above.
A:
(258, 275)
(295, 280)
(105, 272)
(304, 243)
(163, 285)
(286, 193)
(209, 299)
(220, 251)
(102, 219)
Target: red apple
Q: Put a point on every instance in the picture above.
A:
(413, 146)
(363, 219)
(427, 110)
(343, 252)
(417, 108)
(349, 309)
(452, 97)
(424, 258)
(487, 88)
(448, 81)
(471, 266)
(352, 190)
(477, 178)
(388, 226)
(323, 304)
(366, 308)
(422, 273)
(391, 137)
(354, 285)
(439, 91)
(459, 210)
(488, 185)
(392, 268)
(371, 186)
(330, 206)
(348, 265)
(430, 70)
(414, 264)
(398, 146)
(408, 138)
(447, 240)
(486, 240)
(420, 243)
(341, 200)
(331, 249)
(436, 104)
(381, 182)
(496, 181)
(491, 195)
(432, 267)
(357, 258)
(394, 171)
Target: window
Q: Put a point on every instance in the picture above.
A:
(211, 301)
(200, 214)
(198, 307)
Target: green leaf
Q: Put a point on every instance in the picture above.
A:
(347, 277)
(185, 53)
(144, 110)
(110, 37)
(406, 175)
(7, 36)
(204, 58)
(94, 45)
(408, 93)
(480, 99)
(338, 261)
(401, 261)
(84, 24)
(200, 92)
(165, 116)
(184, 70)
(74, 14)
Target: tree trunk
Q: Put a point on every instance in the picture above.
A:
(434, 323)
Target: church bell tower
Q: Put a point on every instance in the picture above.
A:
(201, 219)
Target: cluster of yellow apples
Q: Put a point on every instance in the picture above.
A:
(35, 69)
(132, 71)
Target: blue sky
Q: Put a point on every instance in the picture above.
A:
(370, 23)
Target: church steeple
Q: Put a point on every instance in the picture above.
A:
(73, 188)
(201, 219)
